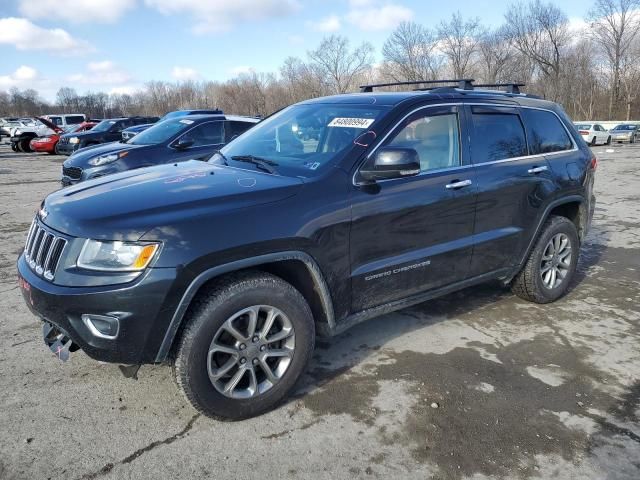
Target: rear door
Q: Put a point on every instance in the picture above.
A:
(512, 187)
(414, 234)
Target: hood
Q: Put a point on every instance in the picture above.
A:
(81, 157)
(124, 206)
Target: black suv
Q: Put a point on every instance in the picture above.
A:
(109, 130)
(178, 139)
(229, 269)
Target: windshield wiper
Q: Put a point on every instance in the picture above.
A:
(261, 163)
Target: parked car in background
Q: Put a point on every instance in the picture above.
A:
(49, 143)
(625, 133)
(22, 135)
(593, 133)
(131, 132)
(66, 119)
(229, 269)
(195, 137)
(109, 130)
(5, 125)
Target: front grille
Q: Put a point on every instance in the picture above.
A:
(43, 250)
(72, 172)
(63, 141)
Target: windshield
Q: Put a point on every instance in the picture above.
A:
(104, 125)
(302, 139)
(583, 126)
(160, 132)
(625, 127)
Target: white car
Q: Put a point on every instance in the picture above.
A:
(594, 133)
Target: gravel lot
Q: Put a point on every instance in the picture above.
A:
(520, 390)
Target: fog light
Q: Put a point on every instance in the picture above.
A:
(102, 326)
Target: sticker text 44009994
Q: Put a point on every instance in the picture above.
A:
(351, 122)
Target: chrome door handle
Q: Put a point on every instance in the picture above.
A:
(458, 184)
(535, 170)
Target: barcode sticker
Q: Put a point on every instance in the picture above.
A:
(351, 122)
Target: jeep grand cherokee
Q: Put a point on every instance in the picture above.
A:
(228, 269)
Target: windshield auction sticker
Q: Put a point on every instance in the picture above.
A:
(351, 122)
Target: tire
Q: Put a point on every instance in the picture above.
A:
(224, 303)
(24, 145)
(529, 283)
(633, 139)
(14, 147)
(608, 140)
(593, 142)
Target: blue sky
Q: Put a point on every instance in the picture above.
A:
(118, 45)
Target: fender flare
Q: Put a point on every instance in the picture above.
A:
(543, 218)
(219, 270)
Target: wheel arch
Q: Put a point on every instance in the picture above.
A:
(295, 267)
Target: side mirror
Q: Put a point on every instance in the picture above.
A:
(183, 143)
(391, 162)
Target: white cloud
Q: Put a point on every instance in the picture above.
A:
(182, 74)
(214, 16)
(124, 90)
(577, 24)
(241, 69)
(25, 77)
(25, 35)
(365, 15)
(104, 73)
(328, 24)
(76, 11)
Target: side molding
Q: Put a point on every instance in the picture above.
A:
(320, 286)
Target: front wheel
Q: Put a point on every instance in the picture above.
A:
(551, 265)
(246, 342)
(25, 145)
(609, 140)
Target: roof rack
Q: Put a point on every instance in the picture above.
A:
(512, 87)
(463, 83)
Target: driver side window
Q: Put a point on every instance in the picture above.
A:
(435, 138)
(209, 133)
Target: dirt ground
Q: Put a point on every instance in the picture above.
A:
(478, 384)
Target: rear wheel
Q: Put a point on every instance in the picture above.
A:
(609, 140)
(24, 145)
(593, 142)
(246, 342)
(551, 265)
(14, 147)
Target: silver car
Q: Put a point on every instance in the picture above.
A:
(625, 133)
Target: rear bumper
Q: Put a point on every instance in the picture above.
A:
(141, 307)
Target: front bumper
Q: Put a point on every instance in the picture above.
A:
(67, 148)
(621, 138)
(143, 308)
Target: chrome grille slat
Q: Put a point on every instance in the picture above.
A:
(43, 250)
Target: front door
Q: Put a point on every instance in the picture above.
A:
(413, 234)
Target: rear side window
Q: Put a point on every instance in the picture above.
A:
(209, 133)
(546, 132)
(74, 119)
(56, 120)
(234, 129)
(497, 136)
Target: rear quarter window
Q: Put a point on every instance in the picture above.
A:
(497, 136)
(74, 119)
(546, 132)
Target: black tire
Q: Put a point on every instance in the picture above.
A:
(204, 319)
(633, 139)
(24, 145)
(528, 284)
(609, 140)
(14, 147)
(593, 142)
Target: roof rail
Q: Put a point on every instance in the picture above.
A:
(463, 83)
(512, 87)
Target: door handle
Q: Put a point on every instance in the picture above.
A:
(536, 170)
(458, 184)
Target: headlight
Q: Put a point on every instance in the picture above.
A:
(111, 157)
(74, 140)
(116, 256)
(17, 131)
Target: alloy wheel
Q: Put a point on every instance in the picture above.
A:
(251, 352)
(556, 261)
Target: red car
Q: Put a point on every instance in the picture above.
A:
(48, 143)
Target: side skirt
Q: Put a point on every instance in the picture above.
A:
(363, 315)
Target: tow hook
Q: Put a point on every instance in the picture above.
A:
(57, 341)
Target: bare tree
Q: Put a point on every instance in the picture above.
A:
(409, 53)
(540, 31)
(459, 40)
(614, 25)
(495, 51)
(338, 65)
